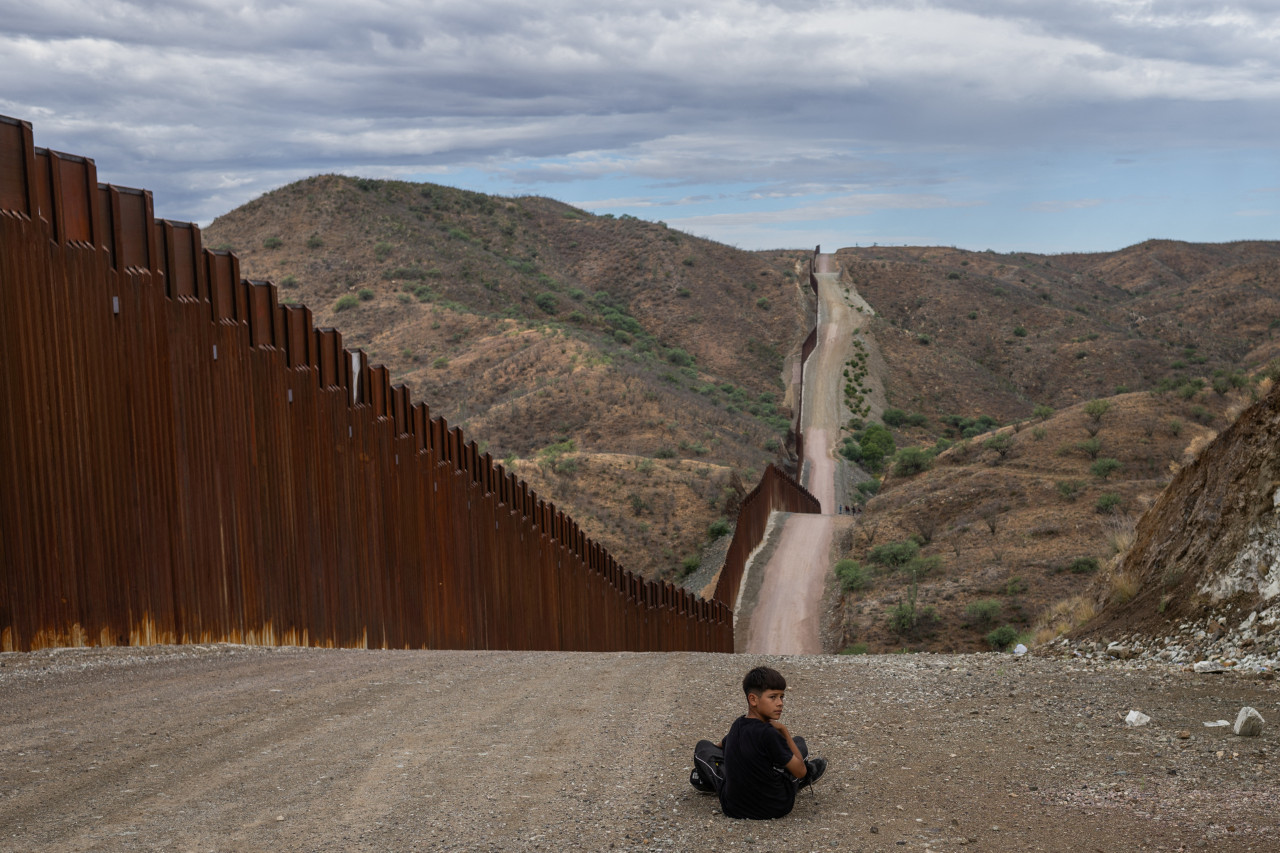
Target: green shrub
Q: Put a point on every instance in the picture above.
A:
(869, 487)
(1002, 638)
(345, 302)
(289, 281)
(858, 648)
(719, 528)
(1091, 447)
(894, 555)
(894, 417)
(440, 362)
(762, 303)
(1042, 411)
(689, 565)
(272, 243)
(664, 453)
(365, 294)
(1069, 490)
(852, 575)
(382, 250)
(911, 461)
(1001, 443)
(1105, 467)
(1095, 409)
(1020, 331)
(1083, 565)
(679, 357)
(547, 301)
(1108, 503)
(982, 613)
(315, 241)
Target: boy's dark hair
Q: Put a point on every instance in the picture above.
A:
(763, 678)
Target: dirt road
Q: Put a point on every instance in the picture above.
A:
(788, 616)
(237, 749)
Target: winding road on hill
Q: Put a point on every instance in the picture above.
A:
(787, 616)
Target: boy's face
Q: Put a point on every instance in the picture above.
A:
(767, 704)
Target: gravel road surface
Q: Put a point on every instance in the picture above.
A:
(228, 748)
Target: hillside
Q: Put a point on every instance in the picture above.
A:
(1011, 523)
(633, 375)
(630, 373)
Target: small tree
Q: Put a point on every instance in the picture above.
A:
(911, 461)
(1105, 467)
(1095, 409)
(852, 575)
(1042, 411)
(1001, 443)
(1003, 637)
(1091, 447)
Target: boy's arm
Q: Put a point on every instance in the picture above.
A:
(796, 766)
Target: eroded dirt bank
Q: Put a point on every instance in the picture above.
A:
(231, 748)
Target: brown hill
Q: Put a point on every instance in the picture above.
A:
(628, 372)
(633, 374)
(1173, 338)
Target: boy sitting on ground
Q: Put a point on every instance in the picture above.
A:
(758, 767)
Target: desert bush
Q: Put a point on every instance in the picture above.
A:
(315, 241)
(346, 302)
(1001, 443)
(547, 301)
(1105, 467)
(911, 461)
(1002, 638)
(983, 612)
(365, 294)
(894, 417)
(852, 575)
(894, 555)
(1083, 565)
(858, 648)
(1095, 409)
(869, 487)
(1090, 447)
(689, 565)
(718, 528)
(1175, 427)
(272, 243)
(1020, 331)
(1108, 503)
(1069, 490)
(1042, 411)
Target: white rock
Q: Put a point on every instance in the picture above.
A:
(1019, 649)
(1216, 724)
(1209, 666)
(1136, 718)
(1249, 723)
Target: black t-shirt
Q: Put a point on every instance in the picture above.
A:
(757, 784)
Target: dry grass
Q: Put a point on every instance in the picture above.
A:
(1122, 587)
(1120, 533)
(1062, 616)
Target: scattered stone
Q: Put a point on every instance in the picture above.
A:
(1249, 723)
(1209, 666)
(1136, 718)
(1184, 734)
(1216, 724)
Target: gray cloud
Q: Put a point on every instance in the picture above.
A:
(211, 103)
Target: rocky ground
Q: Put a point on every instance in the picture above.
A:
(235, 748)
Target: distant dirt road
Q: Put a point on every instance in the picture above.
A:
(230, 748)
(788, 615)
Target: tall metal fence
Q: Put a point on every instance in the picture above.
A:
(776, 492)
(187, 460)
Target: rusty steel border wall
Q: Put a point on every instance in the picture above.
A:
(776, 492)
(187, 460)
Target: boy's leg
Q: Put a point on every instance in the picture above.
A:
(708, 773)
(802, 746)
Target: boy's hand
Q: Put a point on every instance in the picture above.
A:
(777, 724)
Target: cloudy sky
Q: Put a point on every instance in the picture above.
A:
(1071, 125)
